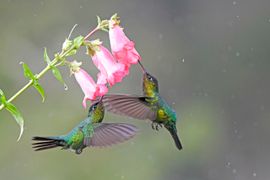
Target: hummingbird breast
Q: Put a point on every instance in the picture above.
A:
(164, 112)
(77, 140)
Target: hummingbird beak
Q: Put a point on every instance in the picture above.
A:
(100, 99)
(144, 71)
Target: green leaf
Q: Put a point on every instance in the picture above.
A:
(98, 20)
(27, 71)
(78, 41)
(72, 52)
(3, 97)
(57, 74)
(40, 89)
(46, 57)
(104, 29)
(17, 116)
(67, 44)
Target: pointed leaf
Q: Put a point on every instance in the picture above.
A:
(46, 57)
(98, 20)
(57, 74)
(78, 41)
(72, 52)
(17, 116)
(40, 89)
(3, 97)
(27, 71)
(104, 29)
(67, 44)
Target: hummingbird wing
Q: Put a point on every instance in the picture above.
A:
(133, 106)
(107, 134)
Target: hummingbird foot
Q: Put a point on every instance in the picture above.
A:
(78, 151)
(156, 126)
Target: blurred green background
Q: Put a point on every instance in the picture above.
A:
(212, 61)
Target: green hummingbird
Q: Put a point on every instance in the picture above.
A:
(89, 133)
(150, 106)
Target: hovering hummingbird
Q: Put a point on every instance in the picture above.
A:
(150, 106)
(89, 132)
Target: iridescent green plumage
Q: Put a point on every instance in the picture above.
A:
(89, 132)
(151, 106)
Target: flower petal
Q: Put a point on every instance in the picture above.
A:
(122, 48)
(88, 85)
(108, 67)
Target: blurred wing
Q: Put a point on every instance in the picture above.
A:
(107, 134)
(132, 106)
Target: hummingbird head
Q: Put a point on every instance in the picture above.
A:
(150, 83)
(96, 111)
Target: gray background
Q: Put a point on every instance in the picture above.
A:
(211, 58)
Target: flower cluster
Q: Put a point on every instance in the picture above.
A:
(113, 66)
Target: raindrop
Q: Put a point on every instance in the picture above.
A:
(65, 87)
(237, 54)
(234, 171)
(269, 20)
(234, 3)
(183, 60)
(122, 177)
(228, 165)
(81, 6)
(238, 17)
(254, 174)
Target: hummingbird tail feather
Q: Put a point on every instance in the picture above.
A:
(176, 139)
(44, 143)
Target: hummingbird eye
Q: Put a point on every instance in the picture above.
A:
(94, 107)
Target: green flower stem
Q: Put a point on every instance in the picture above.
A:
(38, 76)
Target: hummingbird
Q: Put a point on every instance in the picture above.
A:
(88, 133)
(150, 106)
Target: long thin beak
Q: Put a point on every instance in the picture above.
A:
(100, 99)
(144, 71)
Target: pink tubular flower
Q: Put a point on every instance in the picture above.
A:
(122, 48)
(89, 87)
(101, 82)
(108, 67)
